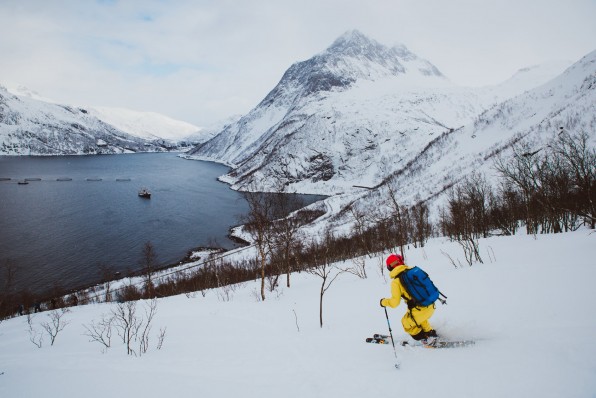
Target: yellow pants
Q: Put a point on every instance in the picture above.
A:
(416, 320)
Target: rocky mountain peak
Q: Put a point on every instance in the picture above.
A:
(351, 57)
(354, 43)
(352, 39)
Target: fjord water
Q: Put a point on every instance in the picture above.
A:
(85, 212)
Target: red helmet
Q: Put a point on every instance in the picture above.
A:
(393, 261)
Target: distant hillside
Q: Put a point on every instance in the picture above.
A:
(29, 126)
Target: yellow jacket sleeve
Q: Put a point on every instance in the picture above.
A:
(396, 293)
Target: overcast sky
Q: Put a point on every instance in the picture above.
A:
(203, 60)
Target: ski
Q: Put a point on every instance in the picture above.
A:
(385, 339)
(438, 344)
(375, 340)
(379, 339)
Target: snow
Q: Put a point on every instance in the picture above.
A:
(533, 326)
(385, 106)
(31, 126)
(148, 125)
(145, 125)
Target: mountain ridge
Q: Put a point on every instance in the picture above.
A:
(536, 117)
(152, 130)
(356, 100)
(32, 127)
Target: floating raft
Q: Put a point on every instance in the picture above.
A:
(5, 178)
(64, 179)
(122, 179)
(93, 179)
(33, 179)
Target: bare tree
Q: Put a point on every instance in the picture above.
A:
(161, 337)
(145, 327)
(358, 268)
(421, 224)
(273, 277)
(213, 266)
(285, 237)
(399, 215)
(521, 171)
(476, 193)
(101, 332)
(580, 161)
(149, 262)
(35, 336)
(258, 223)
(127, 324)
(471, 248)
(557, 182)
(324, 270)
(107, 274)
(359, 230)
(133, 328)
(505, 208)
(56, 323)
(459, 225)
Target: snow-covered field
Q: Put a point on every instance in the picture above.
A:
(529, 307)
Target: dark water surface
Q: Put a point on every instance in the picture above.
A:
(85, 211)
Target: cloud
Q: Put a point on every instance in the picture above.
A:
(200, 61)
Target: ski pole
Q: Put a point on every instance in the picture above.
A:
(391, 335)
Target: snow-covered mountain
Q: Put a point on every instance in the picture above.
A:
(351, 115)
(30, 126)
(528, 78)
(536, 117)
(566, 102)
(24, 91)
(211, 130)
(147, 125)
(154, 129)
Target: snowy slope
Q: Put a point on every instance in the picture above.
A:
(23, 91)
(211, 130)
(30, 126)
(148, 125)
(351, 115)
(535, 117)
(531, 326)
(529, 78)
(568, 102)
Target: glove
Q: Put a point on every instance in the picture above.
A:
(381, 303)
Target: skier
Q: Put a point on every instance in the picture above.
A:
(415, 321)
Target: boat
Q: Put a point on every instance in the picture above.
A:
(144, 193)
(23, 182)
